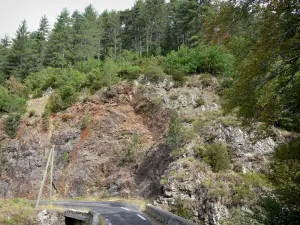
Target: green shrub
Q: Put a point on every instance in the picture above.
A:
(129, 65)
(242, 194)
(198, 124)
(204, 59)
(11, 124)
(61, 99)
(129, 72)
(183, 208)
(55, 78)
(199, 102)
(154, 73)
(86, 66)
(175, 134)
(215, 155)
(206, 80)
(66, 156)
(85, 122)
(132, 148)
(163, 181)
(110, 70)
(96, 79)
(10, 103)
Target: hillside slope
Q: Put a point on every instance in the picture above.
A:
(113, 144)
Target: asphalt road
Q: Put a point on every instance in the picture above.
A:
(115, 213)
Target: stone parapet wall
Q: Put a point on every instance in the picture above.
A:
(166, 217)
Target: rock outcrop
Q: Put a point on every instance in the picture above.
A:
(113, 144)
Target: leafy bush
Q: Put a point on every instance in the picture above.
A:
(204, 59)
(11, 124)
(85, 122)
(285, 173)
(61, 99)
(87, 66)
(215, 155)
(55, 78)
(206, 80)
(175, 133)
(128, 65)
(274, 212)
(199, 102)
(154, 73)
(10, 103)
(132, 148)
(183, 208)
(129, 72)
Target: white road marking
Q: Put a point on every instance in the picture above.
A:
(125, 208)
(108, 221)
(141, 217)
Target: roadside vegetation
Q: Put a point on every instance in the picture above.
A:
(17, 211)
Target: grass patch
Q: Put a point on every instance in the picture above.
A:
(17, 211)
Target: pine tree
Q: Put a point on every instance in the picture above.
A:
(37, 44)
(111, 26)
(4, 53)
(59, 48)
(19, 58)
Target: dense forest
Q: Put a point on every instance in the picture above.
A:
(252, 46)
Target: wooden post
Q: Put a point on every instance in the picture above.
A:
(51, 175)
(44, 178)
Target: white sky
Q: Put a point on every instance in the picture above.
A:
(12, 12)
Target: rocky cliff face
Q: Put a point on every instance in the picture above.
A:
(113, 144)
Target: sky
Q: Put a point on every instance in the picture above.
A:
(12, 12)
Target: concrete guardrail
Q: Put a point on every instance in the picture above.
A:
(74, 217)
(166, 217)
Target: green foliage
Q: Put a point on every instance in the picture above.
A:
(199, 102)
(85, 122)
(17, 211)
(11, 124)
(274, 212)
(163, 181)
(110, 70)
(128, 65)
(215, 155)
(206, 80)
(154, 73)
(205, 59)
(175, 133)
(66, 156)
(285, 173)
(183, 208)
(61, 99)
(87, 66)
(10, 103)
(55, 78)
(239, 217)
(133, 148)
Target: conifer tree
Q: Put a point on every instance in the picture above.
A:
(19, 57)
(59, 49)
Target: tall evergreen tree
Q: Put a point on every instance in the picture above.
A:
(19, 58)
(85, 33)
(59, 48)
(4, 53)
(111, 26)
(38, 42)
